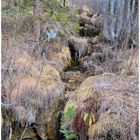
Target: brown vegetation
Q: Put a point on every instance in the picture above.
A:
(71, 66)
(115, 111)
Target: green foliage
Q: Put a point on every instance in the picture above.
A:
(70, 113)
(54, 6)
(76, 26)
(65, 128)
(26, 3)
(58, 12)
(62, 18)
(26, 7)
(67, 20)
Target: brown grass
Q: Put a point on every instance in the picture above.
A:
(121, 61)
(114, 102)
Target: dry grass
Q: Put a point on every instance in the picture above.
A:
(121, 61)
(114, 102)
(117, 114)
(29, 87)
(14, 27)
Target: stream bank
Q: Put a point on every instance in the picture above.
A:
(82, 74)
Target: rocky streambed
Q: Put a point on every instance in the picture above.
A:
(76, 93)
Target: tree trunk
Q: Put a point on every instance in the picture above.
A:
(133, 9)
(129, 16)
(112, 10)
(128, 21)
(15, 3)
(120, 17)
(64, 3)
(37, 21)
(36, 27)
(97, 5)
(105, 17)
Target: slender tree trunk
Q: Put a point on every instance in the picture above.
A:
(120, 17)
(37, 21)
(15, 3)
(133, 9)
(38, 49)
(129, 16)
(105, 17)
(9, 4)
(64, 3)
(97, 5)
(128, 21)
(19, 2)
(112, 10)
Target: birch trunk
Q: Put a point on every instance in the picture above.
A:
(133, 9)
(97, 5)
(112, 10)
(120, 17)
(128, 18)
(105, 17)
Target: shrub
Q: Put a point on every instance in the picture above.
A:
(65, 127)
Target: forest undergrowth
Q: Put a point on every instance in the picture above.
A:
(69, 70)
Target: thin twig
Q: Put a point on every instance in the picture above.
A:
(37, 80)
(24, 131)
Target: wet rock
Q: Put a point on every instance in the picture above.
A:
(90, 31)
(78, 47)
